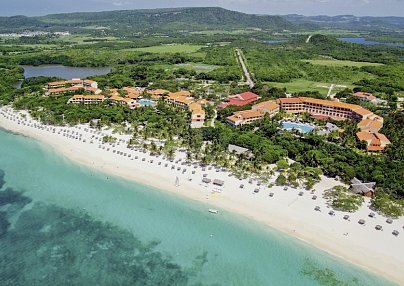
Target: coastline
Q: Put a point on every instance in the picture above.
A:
(376, 251)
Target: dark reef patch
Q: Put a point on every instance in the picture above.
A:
(50, 245)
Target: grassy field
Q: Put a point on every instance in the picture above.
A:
(306, 85)
(188, 49)
(339, 63)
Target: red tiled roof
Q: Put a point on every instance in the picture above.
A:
(248, 96)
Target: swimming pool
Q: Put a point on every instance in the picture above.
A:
(304, 128)
(145, 102)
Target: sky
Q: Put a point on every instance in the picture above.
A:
(270, 7)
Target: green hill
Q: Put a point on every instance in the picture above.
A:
(155, 20)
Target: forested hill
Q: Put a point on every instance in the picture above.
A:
(155, 20)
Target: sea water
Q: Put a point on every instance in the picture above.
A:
(65, 224)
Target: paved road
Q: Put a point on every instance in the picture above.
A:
(247, 75)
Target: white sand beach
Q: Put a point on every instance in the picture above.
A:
(378, 251)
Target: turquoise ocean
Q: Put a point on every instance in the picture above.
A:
(65, 224)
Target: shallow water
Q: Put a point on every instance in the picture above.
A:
(61, 223)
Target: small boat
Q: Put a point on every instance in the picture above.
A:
(213, 211)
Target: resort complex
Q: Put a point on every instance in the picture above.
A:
(368, 122)
(132, 97)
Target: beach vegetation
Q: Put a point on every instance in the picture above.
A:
(341, 198)
(281, 180)
(108, 139)
(387, 205)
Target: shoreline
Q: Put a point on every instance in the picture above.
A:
(375, 251)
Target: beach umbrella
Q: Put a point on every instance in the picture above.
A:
(331, 213)
(301, 193)
(317, 208)
(361, 221)
(389, 220)
(346, 217)
(271, 194)
(193, 172)
(378, 227)
(314, 197)
(241, 186)
(372, 215)
(395, 232)
(256, 190)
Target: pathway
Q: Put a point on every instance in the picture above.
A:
(247, 75)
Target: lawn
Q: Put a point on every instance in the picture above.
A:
(300, 85)
(187, 49)
(340, 63)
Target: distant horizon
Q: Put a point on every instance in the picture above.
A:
(185, 7)
(359, 8)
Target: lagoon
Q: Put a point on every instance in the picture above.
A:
(73, 225)
(64, 72)
(366, 42)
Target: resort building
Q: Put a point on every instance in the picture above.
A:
(178, 101)
(364, 189)
(366, 96)
(119, 100)
(241, 118)
(86, 99)
(239, 99)
(332, 109)
(370, 125)
(270, 107)
(157, 93)
(197, 115)
(72, 86)
(184, 101)
(133, 92)
(73, 82)
(375, 141)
